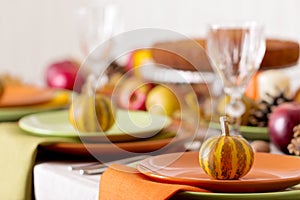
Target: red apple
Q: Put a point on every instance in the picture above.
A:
(129, 64)
(63, 75)
(137, 101)
(132, 94)
(281, 123)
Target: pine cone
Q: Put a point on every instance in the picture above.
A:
(294, 146)
(259, 116)
(114, 68)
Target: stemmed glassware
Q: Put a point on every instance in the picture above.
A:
(236, 51)
(97, 24)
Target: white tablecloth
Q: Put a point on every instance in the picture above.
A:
(53, 181)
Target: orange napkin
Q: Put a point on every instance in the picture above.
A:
(122, 182)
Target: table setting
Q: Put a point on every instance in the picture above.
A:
(41, 124)
(214, 117)
(36, 132)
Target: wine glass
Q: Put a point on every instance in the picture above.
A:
(236, 51)
(97, 24)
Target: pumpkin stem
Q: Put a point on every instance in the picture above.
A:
(224, 125)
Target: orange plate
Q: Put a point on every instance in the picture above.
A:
(145, 146)
(270, 172)
(15, 95)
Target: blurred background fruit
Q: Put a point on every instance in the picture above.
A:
(63, 74)
(281, 123)
(132, 93)
(162, 100)
(139, 58)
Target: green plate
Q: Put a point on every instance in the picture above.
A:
(129, 126)
(248, 132)
(289, 194)
(14, 114)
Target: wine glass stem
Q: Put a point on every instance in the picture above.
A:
(235, 110)
(236, 125)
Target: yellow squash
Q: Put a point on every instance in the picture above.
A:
(226, 157)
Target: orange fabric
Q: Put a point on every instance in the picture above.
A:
(252, 87)
(126, 183)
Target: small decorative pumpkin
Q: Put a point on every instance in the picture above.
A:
(226, 157)
(91, 112)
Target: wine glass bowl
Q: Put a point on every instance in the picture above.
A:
(97, 24)
(235, 52)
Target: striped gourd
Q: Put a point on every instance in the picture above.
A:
(89, 114)
(226, 157)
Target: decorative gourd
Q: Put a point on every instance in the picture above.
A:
(91, 112)
(225, 156)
